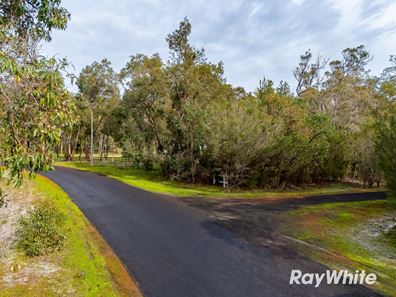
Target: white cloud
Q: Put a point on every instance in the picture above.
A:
(298, 2)
(252, 38)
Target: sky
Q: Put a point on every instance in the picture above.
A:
(252, 38)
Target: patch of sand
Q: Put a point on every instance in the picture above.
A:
(18, 203)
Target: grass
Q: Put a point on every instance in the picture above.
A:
(152, 181)
(349, 232)
(390, 237)
(87, 265)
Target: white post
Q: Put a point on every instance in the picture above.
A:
(224, 181)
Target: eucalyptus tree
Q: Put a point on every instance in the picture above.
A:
(348, 96)
(147, 98)
(34, 104)
(194, 85)
(308, 73)
(387, 80)
(27, 18)
(98, 86)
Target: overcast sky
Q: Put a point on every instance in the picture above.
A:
(252, 38)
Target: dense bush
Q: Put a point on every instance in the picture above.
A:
(182, 117)
(386, 146)
(42, 230)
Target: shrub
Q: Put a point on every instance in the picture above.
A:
(42, 230)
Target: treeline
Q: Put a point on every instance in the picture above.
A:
(182, 117)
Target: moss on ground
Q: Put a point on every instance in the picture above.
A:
(390, 237)
(349, 232)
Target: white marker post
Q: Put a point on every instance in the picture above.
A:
(224, 181)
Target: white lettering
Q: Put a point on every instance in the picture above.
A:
(318, 279)
(333, 276)
(349, 276)
(294, 276)
(371, 278)
(307, 279)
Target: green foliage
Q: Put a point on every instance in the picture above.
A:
(46, 99)
(387, 82)
(98, 82)
(153, 181)
(36, 17)
(98, 96)
(386, 145)
(34, 105)
(42, 231)
(34, 108)
(184, 118)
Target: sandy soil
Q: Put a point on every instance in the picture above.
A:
(13, 270)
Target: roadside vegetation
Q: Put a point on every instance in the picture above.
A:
(52, 250)
(183, 118)
(154, 181)
(354, 235)
(42, 230)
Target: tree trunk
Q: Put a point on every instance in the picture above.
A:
(69, 148)
(92, 136)
(100, 149)
(75, 143)
(192, 159)
(61, 147)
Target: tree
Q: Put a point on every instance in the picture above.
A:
(147, 96)
(194, 84)
(183, 117)
(284, 89)
(98, 87)
(34, 104)
(307, 73)
(33, 17)
(353, 63)
(387, 81)
(386, 145)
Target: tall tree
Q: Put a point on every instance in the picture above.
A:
(308, 73)
(388, 80)
(98, 87)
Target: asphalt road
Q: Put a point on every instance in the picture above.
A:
(174, 250)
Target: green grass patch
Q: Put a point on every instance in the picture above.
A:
(152, 181)
(390, 237)
(350, 230)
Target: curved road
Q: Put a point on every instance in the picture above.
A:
(173, 250)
